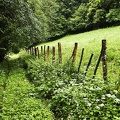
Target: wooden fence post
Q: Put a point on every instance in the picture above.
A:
(104, 62)
(80, 60)
(88, 64)
(38, 53)
(35, 49)
(41, 49)
(97, 65)
(53, 54)
(59, 53)
(44, 53)
(74, 52)
(30, 50)
(47, 55)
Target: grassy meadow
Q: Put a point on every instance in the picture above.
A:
(91, 42)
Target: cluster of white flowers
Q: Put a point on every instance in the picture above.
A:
(97, 88)
(108, 95)
(111, 96)
(59, 90)
(103, 97)
(89, 104)
(117, 100)
(115, 91)
(99, 106)
(80, 84)
(97, 100)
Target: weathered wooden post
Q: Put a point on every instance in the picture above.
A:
(59, 53)
(28, 50)
(53, 54)
(32, 50)
(38, 53)
(74, 52)
(88, 64)
(35, 49)
(80, 60)
(44, 53)
(41, 49)
(48, 52)
(104, 62)
(97, 65)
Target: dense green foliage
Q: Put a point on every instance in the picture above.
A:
(27, 22)
(71, 95)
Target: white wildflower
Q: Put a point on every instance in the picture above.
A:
(97, 100)
(89, 104)
(103, 97)
(98, 88)
(115, 91)
(76, 84)
(117, 100)
(85, 98)
(97, 107)
(101, 105)
(113, 96)
(91, 88)
(80, 84)
(108, 95)
(71, 82)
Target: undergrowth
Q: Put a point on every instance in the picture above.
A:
(18, 95)
(71, 95)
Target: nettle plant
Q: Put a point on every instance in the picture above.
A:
(72, 95)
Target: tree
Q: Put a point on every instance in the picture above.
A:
(7, 15)
(78, 19)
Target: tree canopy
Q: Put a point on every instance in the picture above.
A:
(28, 22)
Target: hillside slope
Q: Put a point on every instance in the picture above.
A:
(91, 41)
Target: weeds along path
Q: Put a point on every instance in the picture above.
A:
(18, 100)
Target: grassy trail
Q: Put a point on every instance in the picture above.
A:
(18, 100)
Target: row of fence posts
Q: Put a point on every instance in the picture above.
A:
(46, 53)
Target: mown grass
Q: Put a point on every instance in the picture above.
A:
(91, 42)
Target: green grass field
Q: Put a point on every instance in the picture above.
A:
(91, 42)
(20, 102)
